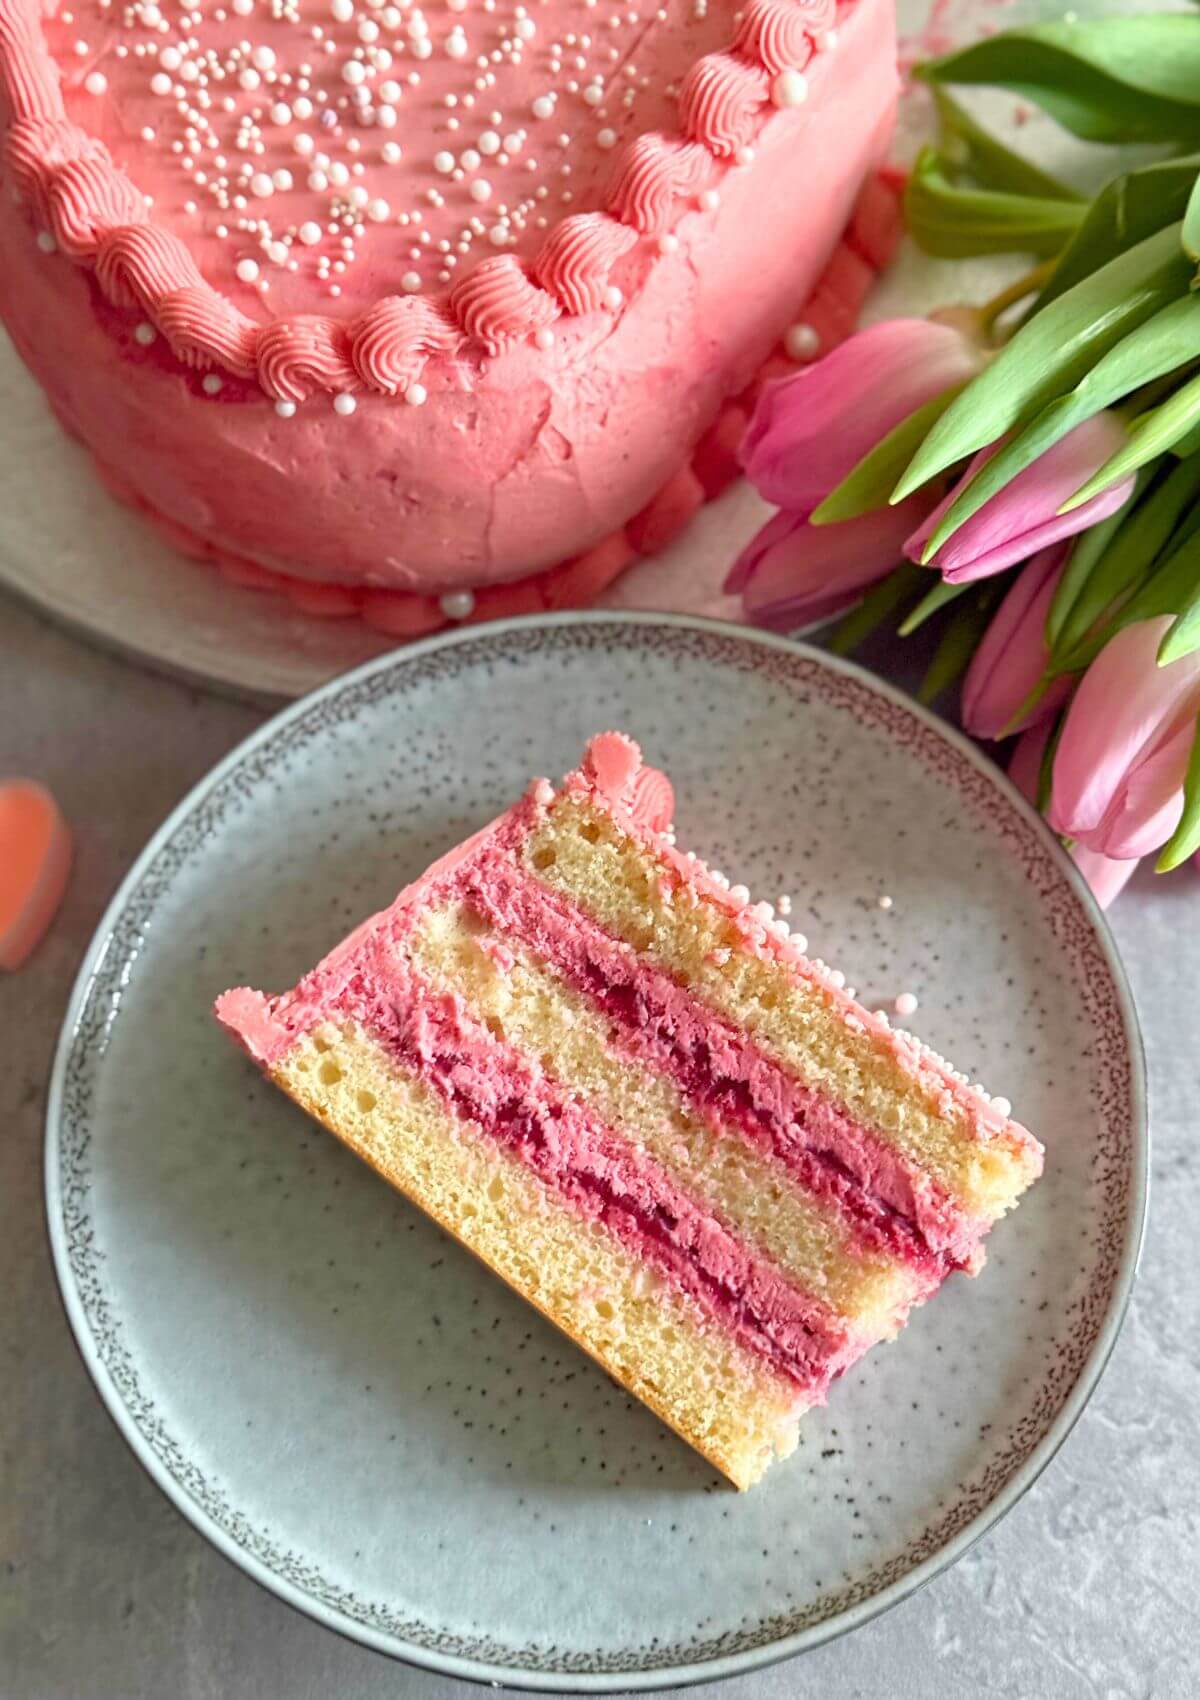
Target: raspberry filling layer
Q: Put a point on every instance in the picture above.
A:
(891, 1204)
(487, 1082)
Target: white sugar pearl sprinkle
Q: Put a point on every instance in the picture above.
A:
(801, 342)
(95, 82)
(906, 1004)
(790, 88)
(286, 409)
(416, 395)
(344, 404)
(458, 604)
(144, 334)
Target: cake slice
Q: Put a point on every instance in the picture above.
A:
(626, 1090)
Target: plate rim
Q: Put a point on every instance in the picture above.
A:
(651, 1678)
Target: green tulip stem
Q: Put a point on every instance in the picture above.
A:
(1030, 284)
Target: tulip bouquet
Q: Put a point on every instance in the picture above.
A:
(1040, 455)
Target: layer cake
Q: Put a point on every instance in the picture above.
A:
(400, 303)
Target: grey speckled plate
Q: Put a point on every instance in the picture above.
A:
(364, 1419)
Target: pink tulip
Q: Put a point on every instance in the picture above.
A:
(792, 572)
(1123, 754)
(1106, 877)
(809, 431)
(1012, 656)
(1024, 516)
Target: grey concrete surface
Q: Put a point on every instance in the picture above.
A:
(1090, 1590)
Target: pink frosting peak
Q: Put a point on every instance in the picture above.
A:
(396, 337)
(309, 352)
(203, 328)
(499, 303)
(779, 33)
(613, 766)
(578, 256)
(86, 199)
(137, 264)
(37, 147)
(721, 100)
(654, 173)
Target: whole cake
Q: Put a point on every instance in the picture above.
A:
(624, 1088)
(415, 301)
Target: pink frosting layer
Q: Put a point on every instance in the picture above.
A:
(891, 1204)
(522, 454)
(512, 1101)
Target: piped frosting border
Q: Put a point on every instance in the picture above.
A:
(87, 207)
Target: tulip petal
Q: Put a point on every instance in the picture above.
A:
(1146, 810)
(1124, 747)
(1106, 876)
(794, 572)
(810, 430)
(1012, 656)
(1023, 517)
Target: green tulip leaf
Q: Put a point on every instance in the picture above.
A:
(955, 223)
(1131, 541)
(870, 483)
(1183, 635)
(959, 642)
(1191, 224)
(1149, 436)
(1189, 444)
(1087, 552)
(1169, 340)
(1052, 351)
(1045, 783)
(932, 603)
(1127, 210)
(1131, 79)
(1167, 591)
(878, 605)
(968, 147)
(1185, 840)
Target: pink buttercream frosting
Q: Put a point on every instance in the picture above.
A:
(273, 267)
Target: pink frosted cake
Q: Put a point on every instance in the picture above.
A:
(398, 306)
(626, 1090)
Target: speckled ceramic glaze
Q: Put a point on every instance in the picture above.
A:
(365, 1419)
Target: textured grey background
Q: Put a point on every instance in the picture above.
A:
(1090, 1590)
